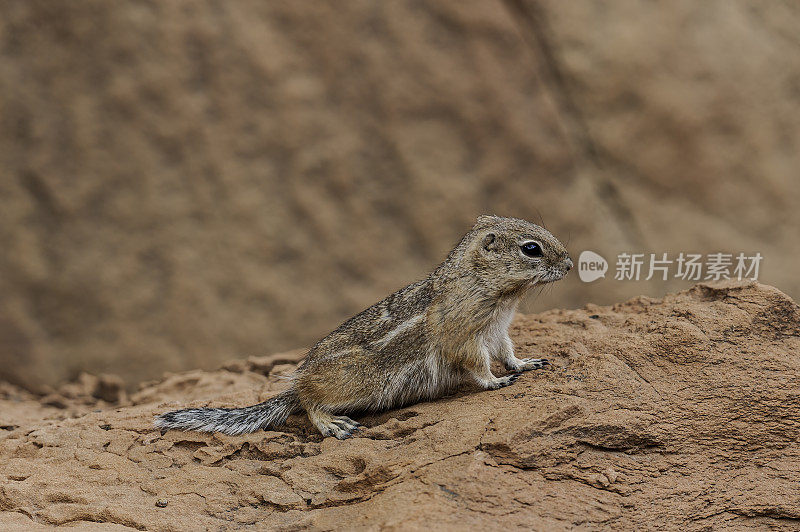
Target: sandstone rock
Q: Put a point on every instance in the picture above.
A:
(673, 413)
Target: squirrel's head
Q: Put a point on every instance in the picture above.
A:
(512, 254)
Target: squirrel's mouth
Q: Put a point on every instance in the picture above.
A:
(555, 273)
(551, 275)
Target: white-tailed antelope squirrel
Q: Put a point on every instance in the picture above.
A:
(415, 345)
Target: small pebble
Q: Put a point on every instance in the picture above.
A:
(162, 503)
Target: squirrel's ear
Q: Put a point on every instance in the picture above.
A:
(490, 242)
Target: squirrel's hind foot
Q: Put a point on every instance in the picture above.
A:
(340, 427)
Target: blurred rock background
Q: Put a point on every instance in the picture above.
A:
(186, 182)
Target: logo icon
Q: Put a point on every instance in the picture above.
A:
(591, 266)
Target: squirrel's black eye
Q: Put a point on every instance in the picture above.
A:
(531, 249)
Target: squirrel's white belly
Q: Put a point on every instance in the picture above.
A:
(496, 332)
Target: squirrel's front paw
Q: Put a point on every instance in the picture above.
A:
(526, 364)
(502, 382)
(534, 363)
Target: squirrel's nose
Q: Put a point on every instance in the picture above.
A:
(568, 263)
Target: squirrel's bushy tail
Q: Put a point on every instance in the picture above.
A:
(232, 421)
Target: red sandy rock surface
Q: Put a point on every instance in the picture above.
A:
(673, 413)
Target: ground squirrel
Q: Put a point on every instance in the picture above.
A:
(416, 344)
